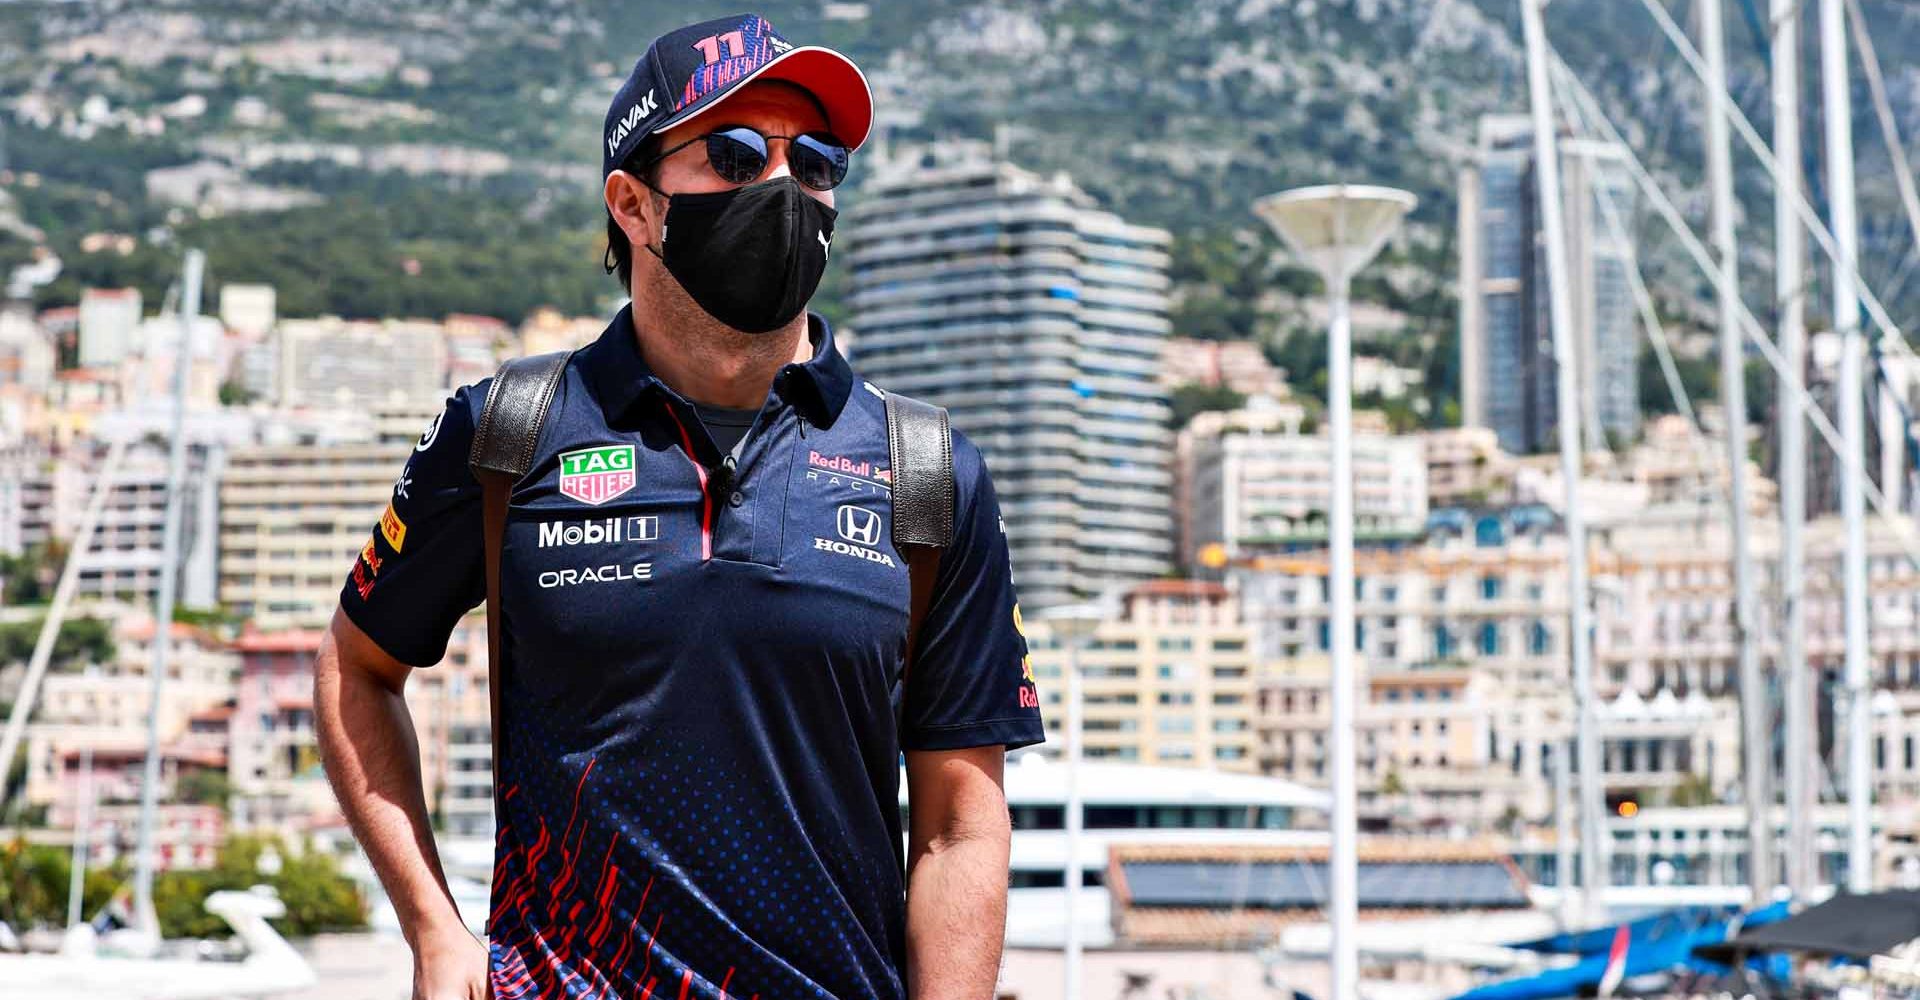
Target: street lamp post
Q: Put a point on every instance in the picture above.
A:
(1073, 624)
(1336, 229)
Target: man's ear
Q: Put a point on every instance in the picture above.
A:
(629, 202)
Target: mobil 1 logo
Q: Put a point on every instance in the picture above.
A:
(599, 531)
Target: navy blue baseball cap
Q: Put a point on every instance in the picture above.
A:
(686, 72)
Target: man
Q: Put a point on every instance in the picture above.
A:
(704, 615)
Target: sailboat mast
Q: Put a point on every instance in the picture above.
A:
(1838, 105)
(169, 580)
(1560, 317)
(1756, 758)
(1789, 288)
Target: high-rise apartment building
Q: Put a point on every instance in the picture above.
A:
(348, 364)
(1507, 363)
(1252, 479)
(1170, 680)
(292, 519)
(1039, 321)
(49, 492)
(108, 317)
(297, 506)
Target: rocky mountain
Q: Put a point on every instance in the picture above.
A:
(1176, 114)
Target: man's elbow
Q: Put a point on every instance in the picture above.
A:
(348, 656)
(982, 822)
(956, 799)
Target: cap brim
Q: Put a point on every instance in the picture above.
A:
(830, 77)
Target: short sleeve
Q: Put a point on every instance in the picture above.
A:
(970, 682)
(424, 565)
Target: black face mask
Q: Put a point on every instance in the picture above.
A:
(751, 257)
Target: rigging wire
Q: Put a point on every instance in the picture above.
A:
(1581, 103)
(1815, 225)
(1656, 331)
(1889, 128)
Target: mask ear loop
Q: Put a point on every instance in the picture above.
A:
(657, 252)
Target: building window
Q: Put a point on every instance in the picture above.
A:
(1442, 642)
(1490, 587)
(1489, 639)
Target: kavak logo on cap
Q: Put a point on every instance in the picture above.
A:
(596, 475)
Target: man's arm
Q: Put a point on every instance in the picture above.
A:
(958, 842)
(373, 761)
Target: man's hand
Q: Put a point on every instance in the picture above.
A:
(450, 966)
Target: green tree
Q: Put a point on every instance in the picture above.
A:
(1693, 790)
(80, 641)
(1303, 354)
(29, 578)
(1700, 377)
(232, 393)
(205, 786)
(318, 897)
(1190, 398)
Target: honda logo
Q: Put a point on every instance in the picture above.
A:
(859, 525)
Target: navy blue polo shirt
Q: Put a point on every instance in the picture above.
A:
(703, 704)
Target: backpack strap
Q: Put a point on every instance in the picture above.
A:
(504, 443)
(920, 453)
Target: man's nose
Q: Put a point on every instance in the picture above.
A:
(777, 162)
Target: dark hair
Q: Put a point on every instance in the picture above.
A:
(619, 255)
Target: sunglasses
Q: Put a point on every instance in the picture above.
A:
(739, 155)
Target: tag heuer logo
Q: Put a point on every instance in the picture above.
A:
(596, 475)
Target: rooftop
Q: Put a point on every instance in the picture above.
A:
(1188, 894)
(1032, 779)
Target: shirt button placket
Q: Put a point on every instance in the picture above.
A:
(735, 498)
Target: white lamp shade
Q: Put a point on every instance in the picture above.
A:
(1336, 228)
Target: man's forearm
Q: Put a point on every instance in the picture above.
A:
(372, 758)
(957, 916)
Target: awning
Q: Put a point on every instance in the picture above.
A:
(1851, 926)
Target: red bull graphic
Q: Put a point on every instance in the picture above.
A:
(366, 570)
(841, 463)
(1029, 693)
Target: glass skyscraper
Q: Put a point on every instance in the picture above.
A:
(1506, 348)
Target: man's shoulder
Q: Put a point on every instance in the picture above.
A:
(969, 465)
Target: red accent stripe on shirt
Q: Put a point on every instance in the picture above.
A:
(706, 499)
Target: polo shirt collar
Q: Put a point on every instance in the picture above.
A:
(818, 387)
